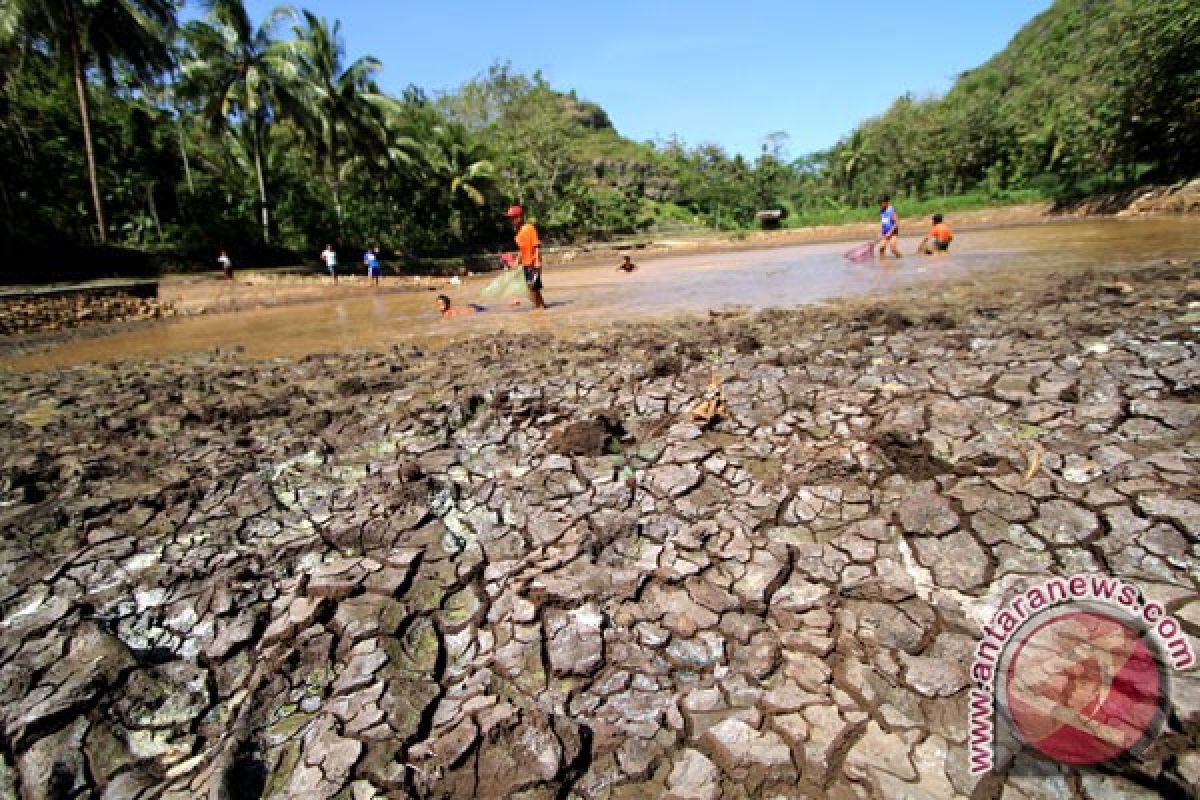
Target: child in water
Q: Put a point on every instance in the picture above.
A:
(627, 265)
(938, 239)
(443, 305)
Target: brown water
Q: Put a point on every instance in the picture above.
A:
(590, 296)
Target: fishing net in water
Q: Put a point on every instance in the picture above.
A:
(510, 283)
(860, 253)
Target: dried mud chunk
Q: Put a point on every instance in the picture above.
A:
(888, 318)
(575, 644)
(666, 366)
(586, 437)
(746, 344)
(910, 456)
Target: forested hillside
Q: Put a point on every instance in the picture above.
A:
(121, 125)
(1091, 92)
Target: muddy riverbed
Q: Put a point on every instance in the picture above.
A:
(518, 567)
(352, 317)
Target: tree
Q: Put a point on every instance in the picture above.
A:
(535, 131)
(1153, 104)
(337, 105)
(235, 69)
(96, 33)
(462, 164)
(459, 166)
(770, 173)
(849, 158)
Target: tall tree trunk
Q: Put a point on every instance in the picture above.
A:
(187, 166)
(153, 207)
(336, 183)
(85, 118)
(8, 217)
(337, 199)
(264, 215)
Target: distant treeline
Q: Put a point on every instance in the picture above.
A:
(121, 126)
(1090, 95)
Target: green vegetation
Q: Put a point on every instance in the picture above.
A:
(1090, 95)
(121, 127)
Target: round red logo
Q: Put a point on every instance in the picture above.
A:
(1083, 685)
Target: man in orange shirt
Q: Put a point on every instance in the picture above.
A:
(938, 239)
(529, 253)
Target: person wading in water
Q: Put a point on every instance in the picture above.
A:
(889, 227)
(529, 254)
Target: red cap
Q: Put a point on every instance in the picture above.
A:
(515, 211)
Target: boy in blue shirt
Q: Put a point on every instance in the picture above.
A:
(374, 269)
(889, 227)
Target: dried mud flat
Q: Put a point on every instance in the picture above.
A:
(516, 568)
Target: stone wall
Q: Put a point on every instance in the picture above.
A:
(1178, 198)
(28, 313)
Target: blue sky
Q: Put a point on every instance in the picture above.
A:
(708, 71)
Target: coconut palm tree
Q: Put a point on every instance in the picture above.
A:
(236, 70)
(87, 34)
(459, 167)
(850, 157)
(461, 162)
(233, 152)
(338, 106)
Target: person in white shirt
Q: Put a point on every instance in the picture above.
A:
(329, 256)
(226, 265)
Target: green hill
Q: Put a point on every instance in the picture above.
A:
(1089, 91)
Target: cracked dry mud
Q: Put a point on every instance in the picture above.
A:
(515, 569)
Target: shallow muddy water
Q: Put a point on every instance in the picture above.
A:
(597, 295)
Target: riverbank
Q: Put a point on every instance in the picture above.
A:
(522, 567)
(252, 289)
(354, 316)
(719, 242)
(38, 311)
(39, 323)
(30, 323)
(1167, 200)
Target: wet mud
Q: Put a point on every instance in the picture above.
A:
(517, 567)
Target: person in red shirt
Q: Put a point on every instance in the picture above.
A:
(529, 253)
(938, 239)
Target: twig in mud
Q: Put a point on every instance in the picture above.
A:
(712, 407)
(1033, 460)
